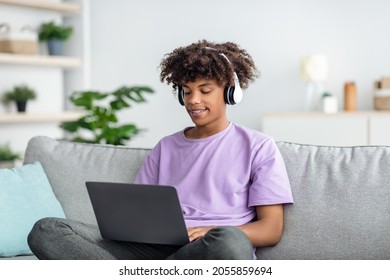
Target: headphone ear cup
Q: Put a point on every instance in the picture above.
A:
(180, 95)
(229, 95)
(237, 96)
(233, 95)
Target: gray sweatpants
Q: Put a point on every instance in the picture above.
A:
(62, 239)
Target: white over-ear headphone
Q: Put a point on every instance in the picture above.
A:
(232, 94)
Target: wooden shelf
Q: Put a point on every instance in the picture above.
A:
(38, 117)
(62, 7)
(40, 60)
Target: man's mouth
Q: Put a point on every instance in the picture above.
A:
(197, 112)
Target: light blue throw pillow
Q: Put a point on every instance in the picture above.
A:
(25, 197)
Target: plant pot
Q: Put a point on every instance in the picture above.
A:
(7, 164)
(21, 106)
(55, 47)
(329, 104)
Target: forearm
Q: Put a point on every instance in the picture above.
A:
(268, 228)
(263, 232)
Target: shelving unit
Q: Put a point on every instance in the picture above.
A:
(40, 60)
(61, 7)
(17, 128)
(35, 118)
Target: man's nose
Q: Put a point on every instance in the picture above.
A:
(194, 98)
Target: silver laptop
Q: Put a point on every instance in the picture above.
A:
(138, 213)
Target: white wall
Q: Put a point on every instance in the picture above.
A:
(130, 37)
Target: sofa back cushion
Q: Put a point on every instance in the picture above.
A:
(342, 194)
(69, 165)
(342, 203)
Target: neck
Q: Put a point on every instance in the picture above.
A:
(199, 132)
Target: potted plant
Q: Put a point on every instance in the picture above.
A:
(100, 123)
(329, 103)
(20, 95)
(55, 35)
(7, 156)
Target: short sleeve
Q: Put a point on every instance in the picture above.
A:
(149, 171)
(270, 183)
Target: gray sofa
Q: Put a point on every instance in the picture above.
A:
(342, 194)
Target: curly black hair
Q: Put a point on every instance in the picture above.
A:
(204, 60)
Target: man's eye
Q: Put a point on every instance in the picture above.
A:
(205, 92)
(188, 92)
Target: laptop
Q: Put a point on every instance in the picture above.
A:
(138, 213)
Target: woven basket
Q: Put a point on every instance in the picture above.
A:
(382, 102)
(19, 46)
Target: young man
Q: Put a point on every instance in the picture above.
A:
(231, 181)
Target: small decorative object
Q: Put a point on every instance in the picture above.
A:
(7, 156)
(20, 95)
(329, 103)
(23, 42)
(382, 94)
(100, 122)
(314, 70)
(350, 93)
(55, 35)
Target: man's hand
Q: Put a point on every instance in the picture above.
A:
(198, 232)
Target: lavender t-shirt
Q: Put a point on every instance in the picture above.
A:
(219, 179)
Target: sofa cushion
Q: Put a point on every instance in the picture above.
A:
(69, 165)
(342, 203)
(25, 197)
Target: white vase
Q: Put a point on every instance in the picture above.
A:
(314, 90)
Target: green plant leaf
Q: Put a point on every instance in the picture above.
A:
(73, 126)
(101, 119)
(127, 130)
(19, 93)
(103, 116)
(119, 104)
(145, 89)
(120, 92)
(118, 135)
(83, 140)
(50, 30)
(85, 123)
(70, 126)
(87, 98)
(133, 93)
(6, 153)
